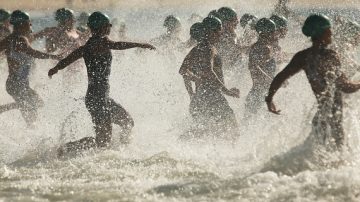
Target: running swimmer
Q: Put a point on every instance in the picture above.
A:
(281, 31)
(187, 71)
(82, 21)
(171, 39)
(64, 38)
(103, 110)
(228, 47)
(262, 65)
(209, 108)
(20, 57)
(248, 23)
(323, 70)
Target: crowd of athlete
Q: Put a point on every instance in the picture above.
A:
(214, 47)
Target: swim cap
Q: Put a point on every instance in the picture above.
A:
(265, 25)
(247, 19)
(17, 17)
(63, 14)
(83, 17)
(212, 24)
(197, 31)
(213, 13)
(280, 21)
(97, 20)
(226, 14)
(171, 22)
(4, 15)
(315, 25)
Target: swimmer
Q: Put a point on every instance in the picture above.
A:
(281, 32)
(64, 38)
(82, 21)
(323, 70)
(228, 47)
(248, 23)
(171, 39)
(20, 58)
(262, 65)
(208, 106)
(103, 110)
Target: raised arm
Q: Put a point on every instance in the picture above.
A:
(77, 54)
(295, 65)
(127, 45)
(23, 45)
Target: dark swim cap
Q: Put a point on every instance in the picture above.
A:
(83, 17)
(63, 14)
(247, 19)
(197, 31)
(212, 24)
(280, 21)
(97, 20)
(4, 15)
(226, 14)
(315, 25)
(17, 17)
(171, 22)
(213, 13)
(265, 25)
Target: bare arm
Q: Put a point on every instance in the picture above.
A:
(77, 54)
(295, 65)
(127, 45)
(23, 45)
(347, 86)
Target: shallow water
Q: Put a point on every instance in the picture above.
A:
(156, 166)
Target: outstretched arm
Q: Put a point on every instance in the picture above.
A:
(77, 54)
(23, 45)
(292, 68)
(127, 45)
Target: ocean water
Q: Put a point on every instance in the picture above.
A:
(269, 162)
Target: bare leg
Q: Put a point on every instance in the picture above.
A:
(121, 117)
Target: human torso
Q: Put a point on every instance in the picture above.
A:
(261, 56)
(98, 60)
(19, 62)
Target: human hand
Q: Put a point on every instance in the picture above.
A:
(234, 92)
(52, 72)
(148, 46)
(271, 106)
